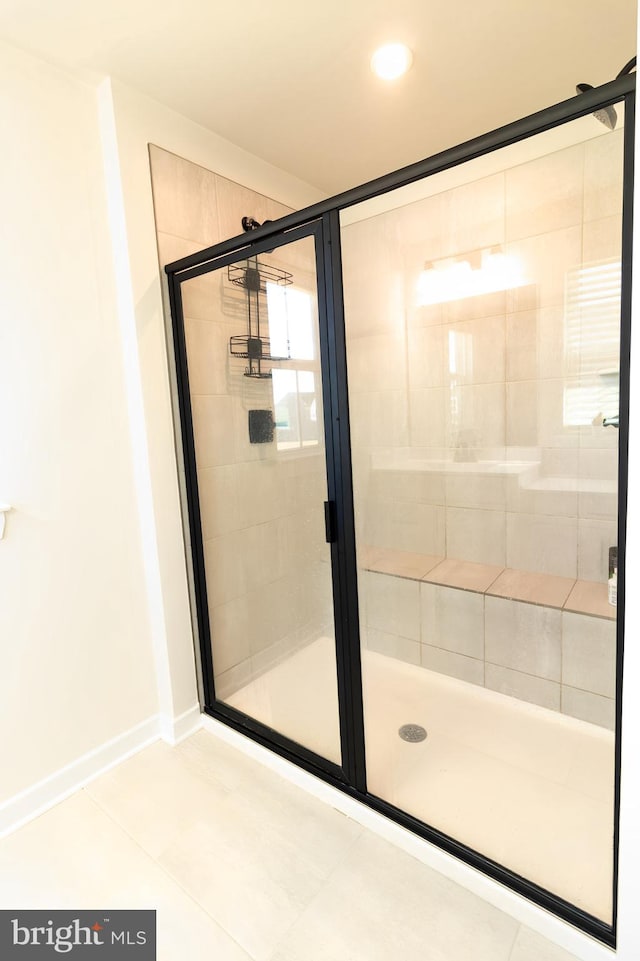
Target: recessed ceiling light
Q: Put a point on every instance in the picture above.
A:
(391, 61)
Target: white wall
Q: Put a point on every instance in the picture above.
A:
(76, 664)
(95, 630)
(130, 123)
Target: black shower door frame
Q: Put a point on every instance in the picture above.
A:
(322, 221)
(338, 510)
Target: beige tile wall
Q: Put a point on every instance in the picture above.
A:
(554, 658)
(267, 573)
(555, 213)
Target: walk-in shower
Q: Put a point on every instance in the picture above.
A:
(407, 494)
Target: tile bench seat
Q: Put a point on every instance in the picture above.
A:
(540, 638)
(548, 590)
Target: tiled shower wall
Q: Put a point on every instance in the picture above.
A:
(557, 659)
(262, 514)
(552, 505)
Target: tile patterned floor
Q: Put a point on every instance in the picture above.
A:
(242, 865)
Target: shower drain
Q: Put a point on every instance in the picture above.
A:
(412, 732)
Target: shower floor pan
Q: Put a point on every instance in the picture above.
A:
(527, 787)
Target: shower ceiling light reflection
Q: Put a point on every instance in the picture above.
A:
(481, 272)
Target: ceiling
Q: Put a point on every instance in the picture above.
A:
(289, 80)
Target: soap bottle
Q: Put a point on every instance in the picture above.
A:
(613, 588)
(613, 576)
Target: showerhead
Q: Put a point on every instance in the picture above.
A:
(250, 223)
(607, 115)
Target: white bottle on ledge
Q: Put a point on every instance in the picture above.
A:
(613, 588)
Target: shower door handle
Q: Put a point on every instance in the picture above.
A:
(330, 521)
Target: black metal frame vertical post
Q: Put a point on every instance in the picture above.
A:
(623, 454)
(343, 546)
(348, 650)
(191, 480)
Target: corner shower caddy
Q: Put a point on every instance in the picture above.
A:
(252, 276)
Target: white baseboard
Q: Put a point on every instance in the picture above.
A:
(524, 911)
(37, 799)
(176, 729)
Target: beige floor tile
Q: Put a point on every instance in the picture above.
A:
(253, 869)
(74, 856)
(260, 855)
(316, 830)
(248, 847)
(149, 794)
(254, 872)
(253, 890)
(531, 946)
(212, 757)
(381, 903)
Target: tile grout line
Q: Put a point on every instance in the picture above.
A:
(515, 938)
(562, 684)
(488, 589)
(484, 640)
(322, 888)
(171, 877)
(361, 831)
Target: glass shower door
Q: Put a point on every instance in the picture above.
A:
(252, 355)
(482, 311)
